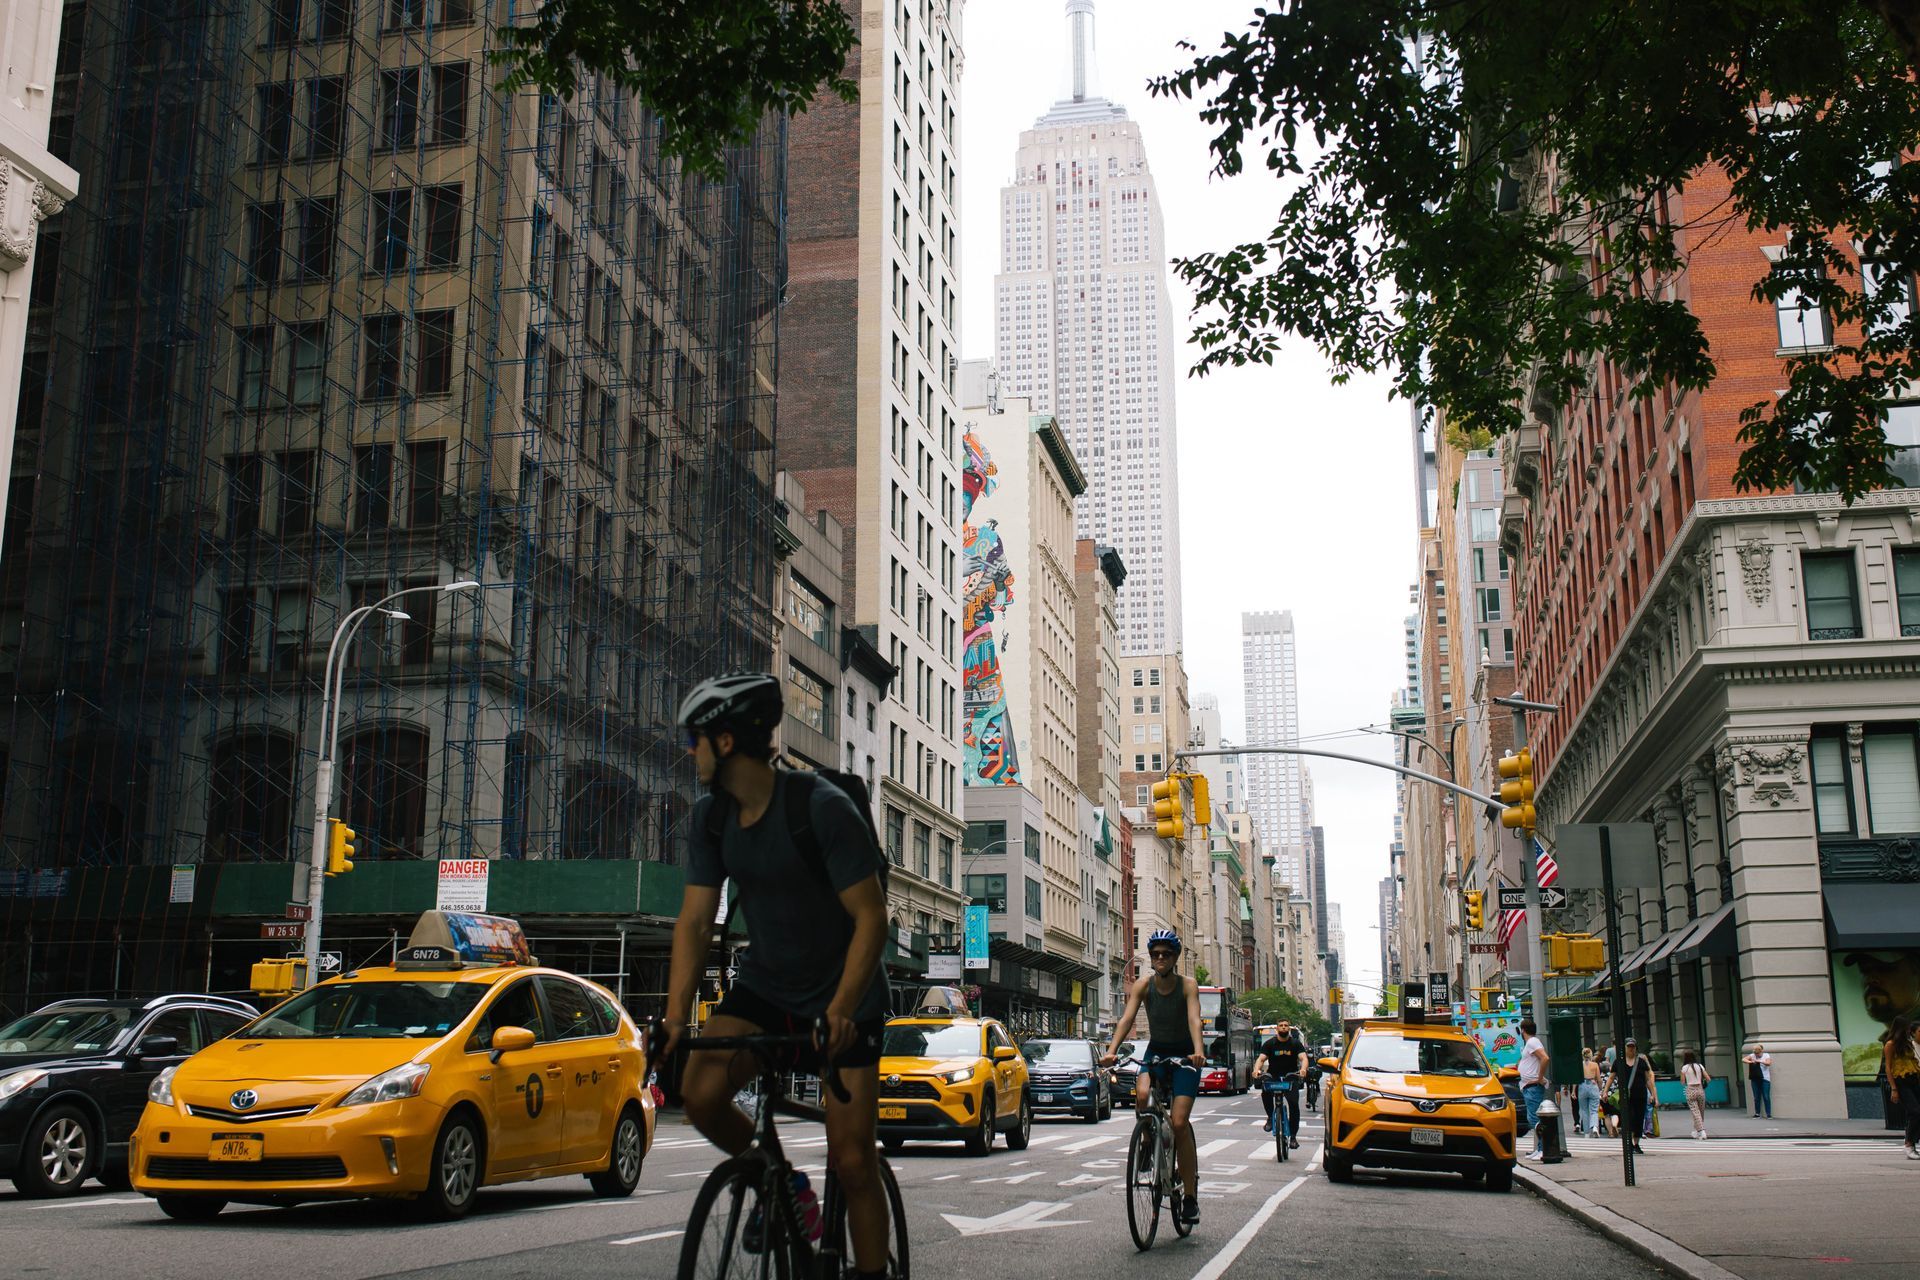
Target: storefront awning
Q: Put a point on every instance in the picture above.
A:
(1872, 915)
(1637, 958)
(1046, 961)
(1708, 938)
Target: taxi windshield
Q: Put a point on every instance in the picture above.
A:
(1389, 1054)
(370, 1011)
(932, 1042)
(64, 1031)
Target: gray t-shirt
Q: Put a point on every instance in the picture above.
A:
(798, 928)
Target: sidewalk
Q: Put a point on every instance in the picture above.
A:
(1760, 1199)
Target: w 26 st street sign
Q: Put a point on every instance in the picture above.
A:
(1516, 899)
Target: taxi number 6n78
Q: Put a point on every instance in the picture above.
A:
(236, 1146)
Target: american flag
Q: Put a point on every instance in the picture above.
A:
(1547, 871)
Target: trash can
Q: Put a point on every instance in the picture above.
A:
(1546, 1118)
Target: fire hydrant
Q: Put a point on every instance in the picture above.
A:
(1547, 1120)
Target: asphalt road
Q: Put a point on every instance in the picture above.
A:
(1054, 1210)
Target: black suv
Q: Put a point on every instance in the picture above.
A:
(74, 1076)
(1065, 1075)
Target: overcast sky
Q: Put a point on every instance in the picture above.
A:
(1295, 494)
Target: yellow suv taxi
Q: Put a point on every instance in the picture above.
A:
(946, 1075)
(1418, 1096)
(461, 1066)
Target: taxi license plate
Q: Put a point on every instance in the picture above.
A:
(1429, 1138)
(893, 1113)
(237, 1146)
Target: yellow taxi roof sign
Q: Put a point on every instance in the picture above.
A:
(455, 939)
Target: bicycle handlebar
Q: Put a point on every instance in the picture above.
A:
(761, 1045)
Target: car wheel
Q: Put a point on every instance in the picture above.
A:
(190, 1208)
(1339, 1168)
(1106, 1108)
(116, 1178)
(1500, 1177)
(58, 1153)
(622, 1173)
(1023, 1127)
(980, 1141)
(453, 1175)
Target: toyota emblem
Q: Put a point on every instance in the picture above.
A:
(243, 1098)
(893, 1079)
(1427, 1105)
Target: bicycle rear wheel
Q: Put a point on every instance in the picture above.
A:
(897, 1250)
(1280, 1134)
(1143, 1184)
(716, 1243)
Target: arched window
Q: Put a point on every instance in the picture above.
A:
(250, 798)
(603, 810)
(383, 771)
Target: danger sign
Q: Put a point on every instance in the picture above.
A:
(463, 885)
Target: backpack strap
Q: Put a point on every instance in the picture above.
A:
(719, 809)
(800, 826)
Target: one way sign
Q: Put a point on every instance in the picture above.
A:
(1516, 899)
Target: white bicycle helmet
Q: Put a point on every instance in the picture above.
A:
(742, 700)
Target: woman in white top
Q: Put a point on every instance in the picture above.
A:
(1693, 1074)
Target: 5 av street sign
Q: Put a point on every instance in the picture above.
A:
(1552, 897)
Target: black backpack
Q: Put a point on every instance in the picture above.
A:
(800, 825)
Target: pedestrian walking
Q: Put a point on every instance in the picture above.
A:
(1533, 1081)
(1633, 1076)
(1901, 1054)
(1589, 1094)
(1693, 1075)
(1760, 1080)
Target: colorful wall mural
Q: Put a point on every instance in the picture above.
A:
(986, 593)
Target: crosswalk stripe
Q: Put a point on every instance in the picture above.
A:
(652, 1235)
(1220, 1144)
(1088, 1144)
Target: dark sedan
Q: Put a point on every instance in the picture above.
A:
(74, 1077)
(1066, 1076)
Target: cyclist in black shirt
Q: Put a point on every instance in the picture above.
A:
(1283, 1053)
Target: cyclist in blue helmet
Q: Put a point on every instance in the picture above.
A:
(1173, 1032)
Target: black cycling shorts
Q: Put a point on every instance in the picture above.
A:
(750, 1006)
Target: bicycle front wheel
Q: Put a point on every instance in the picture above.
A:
(1280, 1134)
(897, 1250)
(735, 1232)
(1143, 1184)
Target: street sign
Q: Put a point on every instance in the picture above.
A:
(282, 930)
(1552, 898)
(299, 911)
(332, 962)
(1483, 948)
(1636, 862)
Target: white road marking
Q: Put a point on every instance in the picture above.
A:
(1088, 1144)
(587, 1204)
(89, 1204)
(1234, 1247)
(943, 1177)
(653, 1235)
(1025, 1218)
(1220, 1144)
(1081, 1179)
(1015, 1180)
(1260, 1150)
(1041, 1139)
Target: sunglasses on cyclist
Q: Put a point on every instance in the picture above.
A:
(1159, 955)
(693, 738)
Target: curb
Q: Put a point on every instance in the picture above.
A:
(1649, 1244)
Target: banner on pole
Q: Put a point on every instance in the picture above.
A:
(976, 935)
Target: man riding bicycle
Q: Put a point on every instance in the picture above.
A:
(817, 939)
(1173, 1035)
(1282, 1054)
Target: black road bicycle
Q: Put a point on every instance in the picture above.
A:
(747, 1222)
(1152, 1167)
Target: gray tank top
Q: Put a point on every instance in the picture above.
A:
(1167, 1029)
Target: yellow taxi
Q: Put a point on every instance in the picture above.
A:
(462, 1065)
(1418, 1096)
(946, 1075)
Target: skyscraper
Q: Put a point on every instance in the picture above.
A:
(1084, 328)
(1276, 784)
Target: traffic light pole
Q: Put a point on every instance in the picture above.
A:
(1493, 803)
(1618, 993)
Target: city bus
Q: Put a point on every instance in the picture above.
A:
(1231, 1045)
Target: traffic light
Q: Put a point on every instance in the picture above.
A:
(1476, 910)
(1168, 822)
(1202, 802)
(339, 847)
(1516, 793)
(1336, 996)
(1559, 950)
(1588, 955)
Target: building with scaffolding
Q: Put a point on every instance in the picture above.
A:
(337, 316)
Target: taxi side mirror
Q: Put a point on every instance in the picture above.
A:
(1003, 1053)
(510, 1040)
(1329, 1064)
(1508, 1074)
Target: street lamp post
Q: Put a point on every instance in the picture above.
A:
(332, 676)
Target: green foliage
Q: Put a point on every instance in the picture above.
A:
(1201, 974)
(711, 72)
(1389, 1005)
(1475, 200)
(1270, 1004)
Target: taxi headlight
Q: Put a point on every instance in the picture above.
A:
(161, 1090)
(961, 1076)
(1493, 1102)
(389, 1086)
(1354, 1093)
(15, 1081)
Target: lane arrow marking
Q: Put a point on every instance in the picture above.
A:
(1025, 1218)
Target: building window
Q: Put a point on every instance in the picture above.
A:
(255, 366)
(264, 222)
(990, 889)
(1902, 426)
(298, 471)
(1033, 899)
(946, 861)
(1031, 839)
(1833, 609)
(373, 486)
(923, 850)
(399, 108)
(380, 365)
(1803, 322)
(313, 245)
(1139, 677)
(809, 611)
(1153, 677)
(442, 217)
(1489, 603)
(896, 836)
(1893, 781)
(392, 230)
(812, 701)
(433, 357)
(1906, 577)
(1832, 795)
